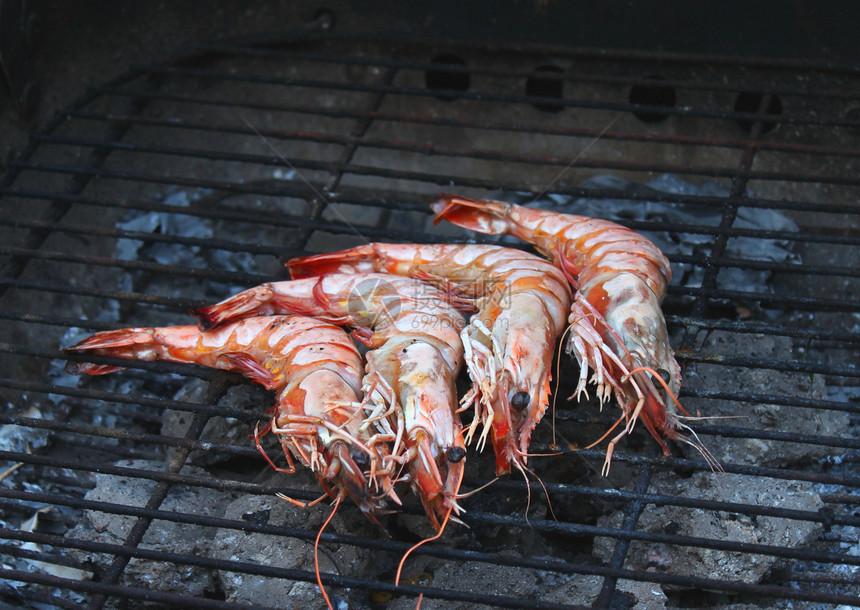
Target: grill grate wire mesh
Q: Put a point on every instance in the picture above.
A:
(214, 169)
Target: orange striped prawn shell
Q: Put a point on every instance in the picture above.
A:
(522, 303)
(409, 381)
(617, 328)
(313, 367)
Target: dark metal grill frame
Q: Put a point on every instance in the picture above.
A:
(100, 135)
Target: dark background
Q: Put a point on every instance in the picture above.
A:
(79, 43)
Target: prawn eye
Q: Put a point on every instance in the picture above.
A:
(361, 459)
(455, 454)
(664, 375)
(520, 400)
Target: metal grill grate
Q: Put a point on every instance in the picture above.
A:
(176, 185)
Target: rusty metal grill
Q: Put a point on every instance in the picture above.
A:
(176, 185)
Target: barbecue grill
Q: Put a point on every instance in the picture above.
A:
(178, 184)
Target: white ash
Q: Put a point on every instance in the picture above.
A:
(760, 416)
(511, 581)
(175, 224)
(287, 552)
(471, 576)
(218, 429)
(22, 439)
(708, 563)
(628, 593)
(161, 535)
(192, 226)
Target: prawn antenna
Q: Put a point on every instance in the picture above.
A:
(545, 493)
(525, 470)
(435, 536)
(696, 443)
(558, 378)
(467, 494)
(317, 554)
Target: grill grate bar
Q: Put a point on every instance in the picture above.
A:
(684, 463)
(470, 123)
(162, 403)
(250, 218)
(631, 458)
(796, 268)
(95, 325)
(148, 595)
(358, 136)
(403, 146)
(772, 300)
(794, 366)
(201, 372)
(154, 475)
(176, 303)
(286, 188)
(126, 435)
(632, 512)
(709, 430)
(766, 299)
(730, 211)
(811, 439)
(513, 486)
(211, 244)
(756, 327)
(484, 96)
(774, 399)
(50, 601)
(239, 277)
(666, 500)
(746, 172)
(104, 589)
(786, 576)
(48, 557)
(555, 565)
(740, 432)
(713, 430)
(253, 279)
(323, 225)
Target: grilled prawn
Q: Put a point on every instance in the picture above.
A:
(313, 366)
(409, 381)
(522, 303)
(616, 326)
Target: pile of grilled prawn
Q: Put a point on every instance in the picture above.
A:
(365, 425)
